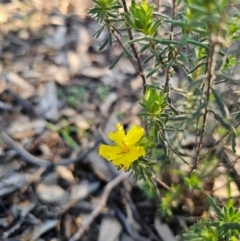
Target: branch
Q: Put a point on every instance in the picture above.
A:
(8, 141)
(170, 38)
(109, 187)
(29, 158)
(136, 55)
(210, 79)
(80, 156)
(172, 148)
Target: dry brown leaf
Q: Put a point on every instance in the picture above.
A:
(78, 192)
(163, 230)
(21, 128)
(57, 39)
(48, 104)
(106, 105)
(57, 20)
(9, 167)
(19, 85)
(51, 193)
(74, 62)
(99, 166)
(68, 112)
(110, 230)
(84, 40)
(59, 74)
(65, 173)
(81, 122)
(11, 183)
(23, 209)
(220, 188)
(136, 83)
(82, 190)
(38, 126)
(94, 72)
(43, 228)
(3, 84)
(125, 66)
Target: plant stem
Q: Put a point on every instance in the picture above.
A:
(209, 80)
(136, 55)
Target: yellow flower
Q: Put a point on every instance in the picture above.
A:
(125, 151)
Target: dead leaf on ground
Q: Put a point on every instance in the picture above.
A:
(48, 104)
(21, 128)
(110, 230)
(52, 194)
(100, 167)
(19, 85)
(43, 228)
(221, 188)
(106, 105)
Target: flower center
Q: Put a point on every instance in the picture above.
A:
(125, 148)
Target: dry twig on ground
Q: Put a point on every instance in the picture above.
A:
(109, 187)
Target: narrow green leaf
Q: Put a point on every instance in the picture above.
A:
(146, 46)
(199, 111)
(155, 26)
(192, 237)
(110, 38)
(233, 139)
(196, 84)
(102, 46)
(197, 43)
(213, 205)
(116, 60)
(127, 52)
(152, 71)
(116, 6)
(97, 34)
(226, 77)
(148, 58)
(166, 41)
(68, 139)
(102, 16)
(157, 55)
(116, 29)
(237, 116)
(178, 23)
(223, 122)
(173, 109)
(113, 15)
(197, 66)
(170, 63)
(229, 225)
(222, 106)
(136, 40)
(219, 65)
(161, 15)
(183, 57)
(178, 117)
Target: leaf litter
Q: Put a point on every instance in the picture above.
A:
(58, 101)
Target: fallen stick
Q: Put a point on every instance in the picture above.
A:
(28, 157)
(100, 206)
(7, 140)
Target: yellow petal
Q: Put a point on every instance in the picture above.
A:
(110, 152)
(118, 136)
(122, 161)
(119, 161)
(134, 153)
(134, 135)
(128, 158)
